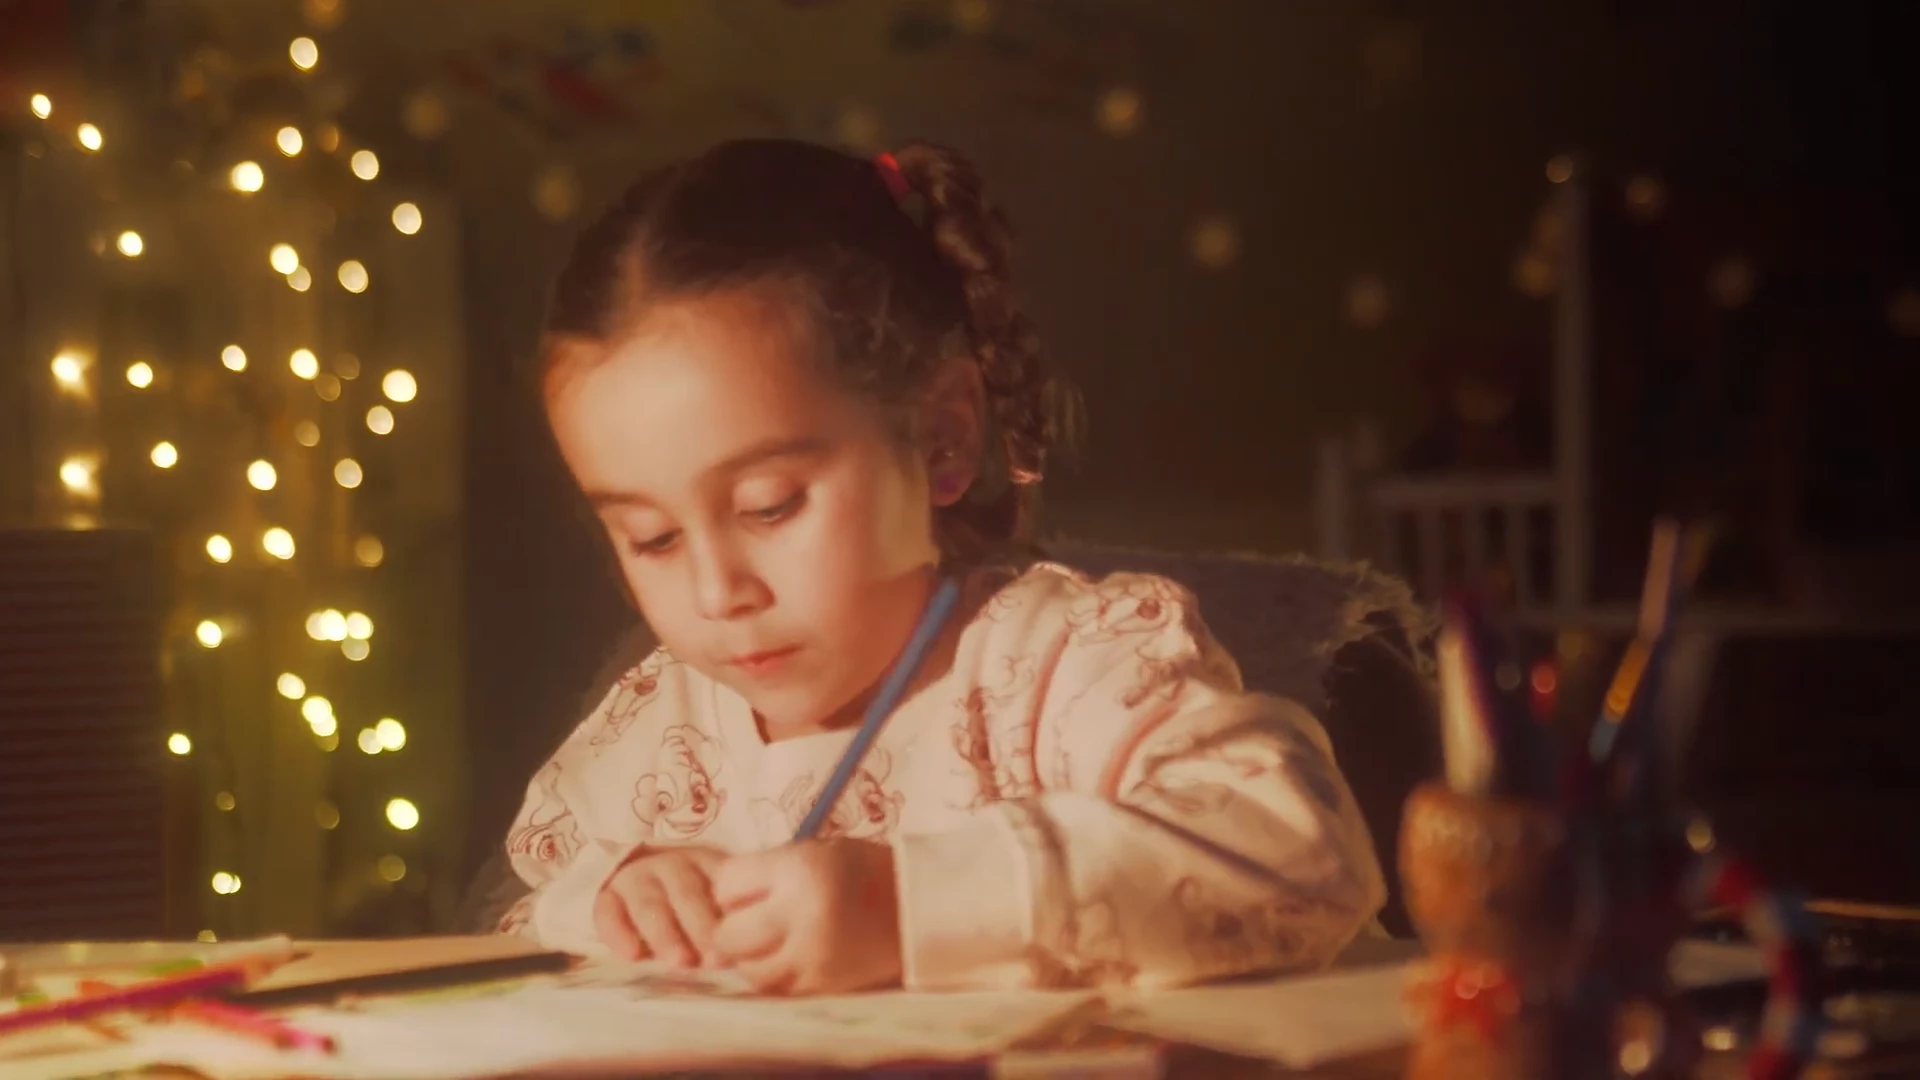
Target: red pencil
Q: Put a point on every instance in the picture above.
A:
(253, 1025)
(154, 993)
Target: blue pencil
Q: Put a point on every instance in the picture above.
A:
(891, 689)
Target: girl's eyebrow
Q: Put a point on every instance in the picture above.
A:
(803, 446)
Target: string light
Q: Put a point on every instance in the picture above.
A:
(303, 363)
(300, 280)
(262, 475)
(368, 551)
(346, 473)
(41, 104)
(402, 814)
(164, 455)
(406, 218)
(353, 276)
(328, 625)
(359, 627)
(316, 708)
(89, 136)
(368, 741)
(130, 244)
(306, 433)
(391, 733)
(70, 372)
(1119, 111)
(355, 650)
(233, 358)
(283, 258)
(1214, 243)
(209, 634)
(327, 727)
(78, 475)
(179, 745)
(1560, 169)
(328, 387)
(348, 366)
(226, 883)
(328, 742)
(399, 386)
(278, 543)
(247, 176)
(327, 137)
(304, 53)
(291, 686)
(365, 164)
(224, 801)
(391, 868)
(326, 815)
(289, 141)
(139, 374)
(219, 548)
(380, 420)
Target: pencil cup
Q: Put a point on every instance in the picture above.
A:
(1490, 886)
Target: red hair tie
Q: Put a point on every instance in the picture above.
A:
(891, 175)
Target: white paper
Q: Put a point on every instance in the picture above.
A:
(613, 1018)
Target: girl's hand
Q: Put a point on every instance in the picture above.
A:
(816, 917)
(660, 904)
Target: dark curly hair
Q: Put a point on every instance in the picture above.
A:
(892, 287)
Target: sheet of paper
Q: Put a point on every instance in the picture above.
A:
(1355, 1008)
(607, 1018)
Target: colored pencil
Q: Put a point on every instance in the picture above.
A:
(253, 1025)
(895, 685)
(152, 994)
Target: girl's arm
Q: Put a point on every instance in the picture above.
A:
(1180, 829)
(638, 770)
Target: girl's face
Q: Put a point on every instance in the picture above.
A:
(773, 531)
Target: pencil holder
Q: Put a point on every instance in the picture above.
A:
(1490, 886)
(1548, 951)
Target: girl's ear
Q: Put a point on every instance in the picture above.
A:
(953, 422)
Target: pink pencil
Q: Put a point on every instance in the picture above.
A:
(253, 1025)
(152, 994)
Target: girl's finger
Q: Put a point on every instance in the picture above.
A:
(690, 895)
(615, 928)
(750, 933)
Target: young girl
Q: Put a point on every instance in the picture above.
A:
(796, 388)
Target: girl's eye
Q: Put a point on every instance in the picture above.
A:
(655, 546)
(780, 511)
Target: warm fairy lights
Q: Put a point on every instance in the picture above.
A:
(247, 176)
(41, 104)
(89, 137)
(380, 420)
(130, 244)
(353, 276)
(289, 140)
(365, 164)
(233, 358)
(399, 386)
(290, 686)
(209, 634)
(406, 218)
(402, 815)
(304, 53)
(283, 258)
(164, 455)
(262, 476)
(179, 745)
(140, 375)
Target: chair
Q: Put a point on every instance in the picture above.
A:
(1367, 681)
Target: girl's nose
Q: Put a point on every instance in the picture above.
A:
(725, 585)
